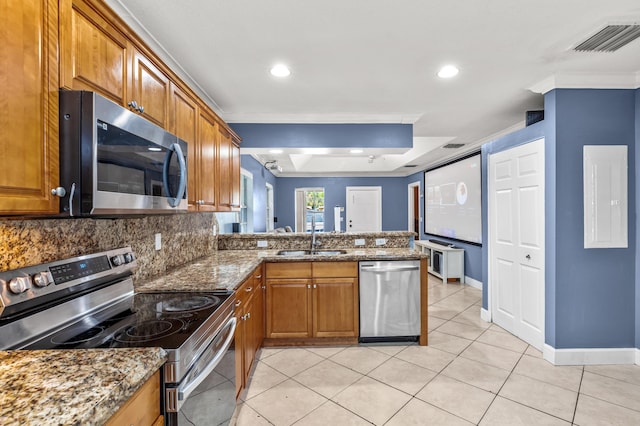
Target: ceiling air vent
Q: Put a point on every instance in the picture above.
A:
(453, 145)
(610, 38)
(410, 165)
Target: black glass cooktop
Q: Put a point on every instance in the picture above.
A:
(147, 319)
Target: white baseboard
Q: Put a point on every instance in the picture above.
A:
(485, 315)
(589, 356)
(473, 283)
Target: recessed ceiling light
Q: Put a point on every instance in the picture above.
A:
(275, 151)
(155, 149)
(448, 71)
(280, 70)
(356, 151)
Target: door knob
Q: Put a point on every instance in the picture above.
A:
(528, 257)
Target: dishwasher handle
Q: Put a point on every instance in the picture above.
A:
(376, 269)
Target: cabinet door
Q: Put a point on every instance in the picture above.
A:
(335, 307)
(235, 175)
(224, 170)
(249, 350)
(239, 352)
(142, 408)
(257, 316)
(182, 122)
(149, 90)
(93, 53)
(206, 163)
(29, 107)
(288, 308)
(260, 302)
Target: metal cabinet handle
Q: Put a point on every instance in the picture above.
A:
(248, 315)
(308, 285)
(315, 286)
(248, 289)
(140, 109)
(258, 277)
(59, 192)
(133, 104)
(238, 303)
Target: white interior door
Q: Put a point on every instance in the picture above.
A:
(364, 209)
(516, 241)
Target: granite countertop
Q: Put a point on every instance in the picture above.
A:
(71, 387)
(227, 269)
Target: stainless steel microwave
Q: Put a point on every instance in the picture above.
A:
(114, 162)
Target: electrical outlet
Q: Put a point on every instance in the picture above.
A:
(381, 241)
(262, 243)
(158, 241)
(359, 242)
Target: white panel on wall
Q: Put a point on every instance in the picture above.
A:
(605, 196)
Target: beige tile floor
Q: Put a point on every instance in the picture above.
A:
(472, 372)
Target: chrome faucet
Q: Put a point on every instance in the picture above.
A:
(314, 244)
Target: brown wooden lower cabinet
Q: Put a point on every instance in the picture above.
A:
(312, 300)
(143, 408)
(250, 327)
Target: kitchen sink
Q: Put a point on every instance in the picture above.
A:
(309, 252)
(293, 252)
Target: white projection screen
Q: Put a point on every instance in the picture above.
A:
(453, 202)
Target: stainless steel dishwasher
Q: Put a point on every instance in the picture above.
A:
(390, 301)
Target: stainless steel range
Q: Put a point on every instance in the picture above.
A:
(89, 302)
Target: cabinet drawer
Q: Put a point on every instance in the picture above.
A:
(289, 270)
(144, 406)
(335, 269)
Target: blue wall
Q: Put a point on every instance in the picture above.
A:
(637, 179)
(590, 293)
(260, 178)
(394, 198)
(594, 288)
(472, 253)
(256, 135)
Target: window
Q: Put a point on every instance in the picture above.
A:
(309, 206)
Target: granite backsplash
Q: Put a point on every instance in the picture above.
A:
(185, 237)
(325, 240)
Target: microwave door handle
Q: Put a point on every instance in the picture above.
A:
(182, 186)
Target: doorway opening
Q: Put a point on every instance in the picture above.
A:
(269, 207)
(246, 201)
(413, 208)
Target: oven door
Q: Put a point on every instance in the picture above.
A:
(207, 394)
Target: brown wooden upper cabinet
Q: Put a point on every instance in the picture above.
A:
(29, 107)
(94, 54)
(149, 94)
(97, 56)
(84, 45)
(206, 163)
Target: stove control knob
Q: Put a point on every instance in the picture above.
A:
(128, 257)
(42, 279)
(20, 284)
(117, 260)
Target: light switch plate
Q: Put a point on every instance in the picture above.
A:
(158, 241)
(381, 241)
(359, 242)
(262, 243)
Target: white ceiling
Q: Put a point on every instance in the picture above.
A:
(375, 61)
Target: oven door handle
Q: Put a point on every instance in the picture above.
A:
(184, 390)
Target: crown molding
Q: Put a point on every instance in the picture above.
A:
(587, 81)
(336, 118)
